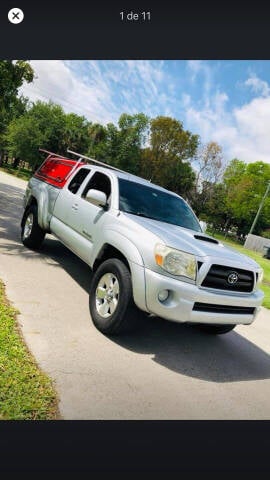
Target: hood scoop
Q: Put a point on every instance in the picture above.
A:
(206, 239)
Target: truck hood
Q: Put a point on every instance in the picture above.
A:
(197, 243)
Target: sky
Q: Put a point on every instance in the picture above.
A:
(223, 101)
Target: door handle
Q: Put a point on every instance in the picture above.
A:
(75, 206)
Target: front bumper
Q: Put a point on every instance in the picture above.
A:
(179, 305)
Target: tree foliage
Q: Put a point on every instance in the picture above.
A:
(120, 145)
(245, 185)
(12, 76)
(45, 125)
(209, 163)
(166, 161)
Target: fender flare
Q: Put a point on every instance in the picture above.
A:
(136, 264)
(120, 242)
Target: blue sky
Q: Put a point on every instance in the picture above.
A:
(223, 101)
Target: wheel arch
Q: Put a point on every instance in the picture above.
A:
(126, 251)
(109, 251)
(41, 202)
(31, 201)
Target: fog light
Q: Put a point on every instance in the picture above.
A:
(163, 295)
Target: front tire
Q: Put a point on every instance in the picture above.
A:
(31, 234)
(111, 303)
(216, 329)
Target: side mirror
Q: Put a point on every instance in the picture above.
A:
(96, 197)
(203, 225)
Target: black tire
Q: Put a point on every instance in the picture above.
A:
(125, 315)
(216, 329)
(31, 234)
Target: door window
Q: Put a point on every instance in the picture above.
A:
(99, 181)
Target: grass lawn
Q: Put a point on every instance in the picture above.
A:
(26, 393)
(263, 262)
(17, 172)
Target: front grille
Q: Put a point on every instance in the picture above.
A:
(218, 277)
(209, 307)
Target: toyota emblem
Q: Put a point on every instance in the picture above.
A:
(232, 278)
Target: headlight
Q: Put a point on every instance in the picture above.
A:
(175, 262)
(260, 277)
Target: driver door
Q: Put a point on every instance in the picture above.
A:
(85, 218)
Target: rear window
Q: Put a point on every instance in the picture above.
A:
(56, 170)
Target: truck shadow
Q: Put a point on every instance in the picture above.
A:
(186, 350)
(180, 348)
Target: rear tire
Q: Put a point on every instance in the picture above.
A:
(31, 234)
(216, 329)
(111, 303)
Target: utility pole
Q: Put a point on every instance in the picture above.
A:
(260, 208)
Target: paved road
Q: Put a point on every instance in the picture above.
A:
(165, 371)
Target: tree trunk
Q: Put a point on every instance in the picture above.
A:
(16, 162)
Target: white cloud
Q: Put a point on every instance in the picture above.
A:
(186, 100)
(243, 133)
(253, 124)
(195, 66)
(88, 88)
(258, 86)
(201, 70)
(210, 119)
(55, 81)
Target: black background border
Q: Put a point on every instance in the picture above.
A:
(135, 446)
(83, 29)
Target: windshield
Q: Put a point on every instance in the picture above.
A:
(150, 202)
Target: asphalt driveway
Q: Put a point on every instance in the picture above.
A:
(165, 371)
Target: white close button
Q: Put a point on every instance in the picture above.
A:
(15, 15)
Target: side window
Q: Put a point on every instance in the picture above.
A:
(76, 181)
(99, 181)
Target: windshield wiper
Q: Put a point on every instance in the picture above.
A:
(138, 214)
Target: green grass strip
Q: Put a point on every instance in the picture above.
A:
(17, 172)
(26, 393)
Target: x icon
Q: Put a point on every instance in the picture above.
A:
(15, 15)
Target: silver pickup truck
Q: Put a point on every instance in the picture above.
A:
(145, 246)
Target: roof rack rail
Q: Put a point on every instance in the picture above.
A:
(89, 159)
(51, 153)
(80, 159)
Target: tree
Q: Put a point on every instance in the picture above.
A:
(120, 146)
(245, 186)
(209, 168)
(209, 162)
(168, 158)
(45, 125)
(75, 134)
(12, 76)
(210, 204)
(97, 148)
(132, 134)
